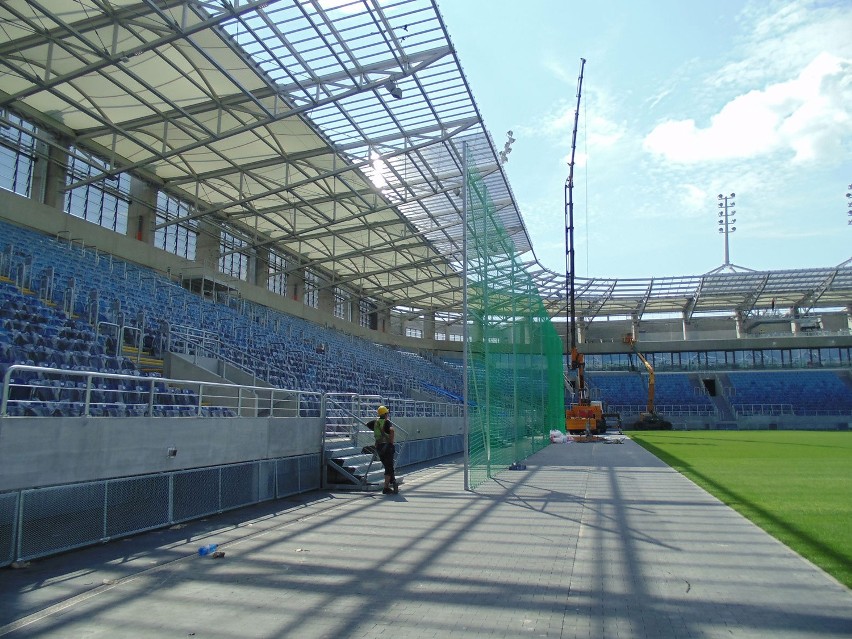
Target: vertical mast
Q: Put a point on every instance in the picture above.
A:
(571, 341)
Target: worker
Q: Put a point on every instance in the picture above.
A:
(384, 433)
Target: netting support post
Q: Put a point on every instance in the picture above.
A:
(465, 335)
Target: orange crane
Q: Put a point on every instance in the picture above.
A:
(583, 415)
(649, 420)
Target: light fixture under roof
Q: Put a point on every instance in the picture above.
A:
(393, 89)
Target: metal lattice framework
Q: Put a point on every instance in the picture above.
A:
(278, 118)
(713, 293)
(328, 130)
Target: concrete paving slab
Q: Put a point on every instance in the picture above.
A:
(591, 540)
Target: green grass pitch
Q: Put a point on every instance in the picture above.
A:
(796, 485)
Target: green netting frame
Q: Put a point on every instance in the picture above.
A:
(514, 352)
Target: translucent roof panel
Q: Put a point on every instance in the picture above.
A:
(328, 130)
(331, 128)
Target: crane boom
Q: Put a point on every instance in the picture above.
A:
(569, 223)
(649, 420)
(584, 415)
(651, 379)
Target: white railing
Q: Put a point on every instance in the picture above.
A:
(670, 410)
(37, 391)
(763, 409)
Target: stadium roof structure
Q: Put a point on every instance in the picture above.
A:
(727, 292)
(331, 131)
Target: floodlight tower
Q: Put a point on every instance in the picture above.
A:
(727, 221)
(849, 197)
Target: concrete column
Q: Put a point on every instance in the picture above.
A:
(141, 214)
(740, 320)
(849, 316)
(260, 264)
(325, 297)
(49, 175)
(686, 329)
(296, 285)
(581, 331)
(355, 304)
(429, 325)
(474, 330)
(383, 323)
(795, 324)
(634, 327)
(207, 246)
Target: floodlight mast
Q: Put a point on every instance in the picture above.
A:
(574, 357)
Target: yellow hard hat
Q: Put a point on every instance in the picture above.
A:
(383, 410)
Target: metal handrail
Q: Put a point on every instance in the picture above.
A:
(206, 394)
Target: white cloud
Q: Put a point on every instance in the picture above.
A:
(807, 115)
(782, 34)
(580, 160)
(602, 133)
(694, 198)
(558, 70)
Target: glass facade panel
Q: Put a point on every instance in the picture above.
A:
(105, 201)
(277, 278)
(178, 238)
(311, 289)
(232, 261)
(17, 155)
(341, 303)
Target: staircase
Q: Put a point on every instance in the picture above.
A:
(146, 364)
(346, 466)
(846, 378)
(727, 417)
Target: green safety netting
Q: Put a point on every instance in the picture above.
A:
(513, 351)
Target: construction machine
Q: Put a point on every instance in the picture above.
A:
(649, 420)
(583, 415)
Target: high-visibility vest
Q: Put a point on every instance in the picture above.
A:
(379, 431)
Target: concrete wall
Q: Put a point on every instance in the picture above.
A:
(45, 451)
(427, 427)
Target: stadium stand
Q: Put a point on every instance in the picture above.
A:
(800, 392)
(66, 283)
(268, 172)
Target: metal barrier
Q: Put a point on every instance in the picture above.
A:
(762, 409)
(669, 410)
(37, 391)
(45, 521)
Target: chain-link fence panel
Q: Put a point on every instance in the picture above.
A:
(8, 525)
(195, 493)
(266, 480)
(423, 450)
(287, 476)
(45, 521)
(135, 504)
(309, 473)
(61, 518)
(239, 485)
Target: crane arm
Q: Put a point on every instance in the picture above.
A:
(578, 363)
(650, 379)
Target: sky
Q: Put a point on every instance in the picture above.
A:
(682, 100)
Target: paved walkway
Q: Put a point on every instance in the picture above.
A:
(591, 540)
